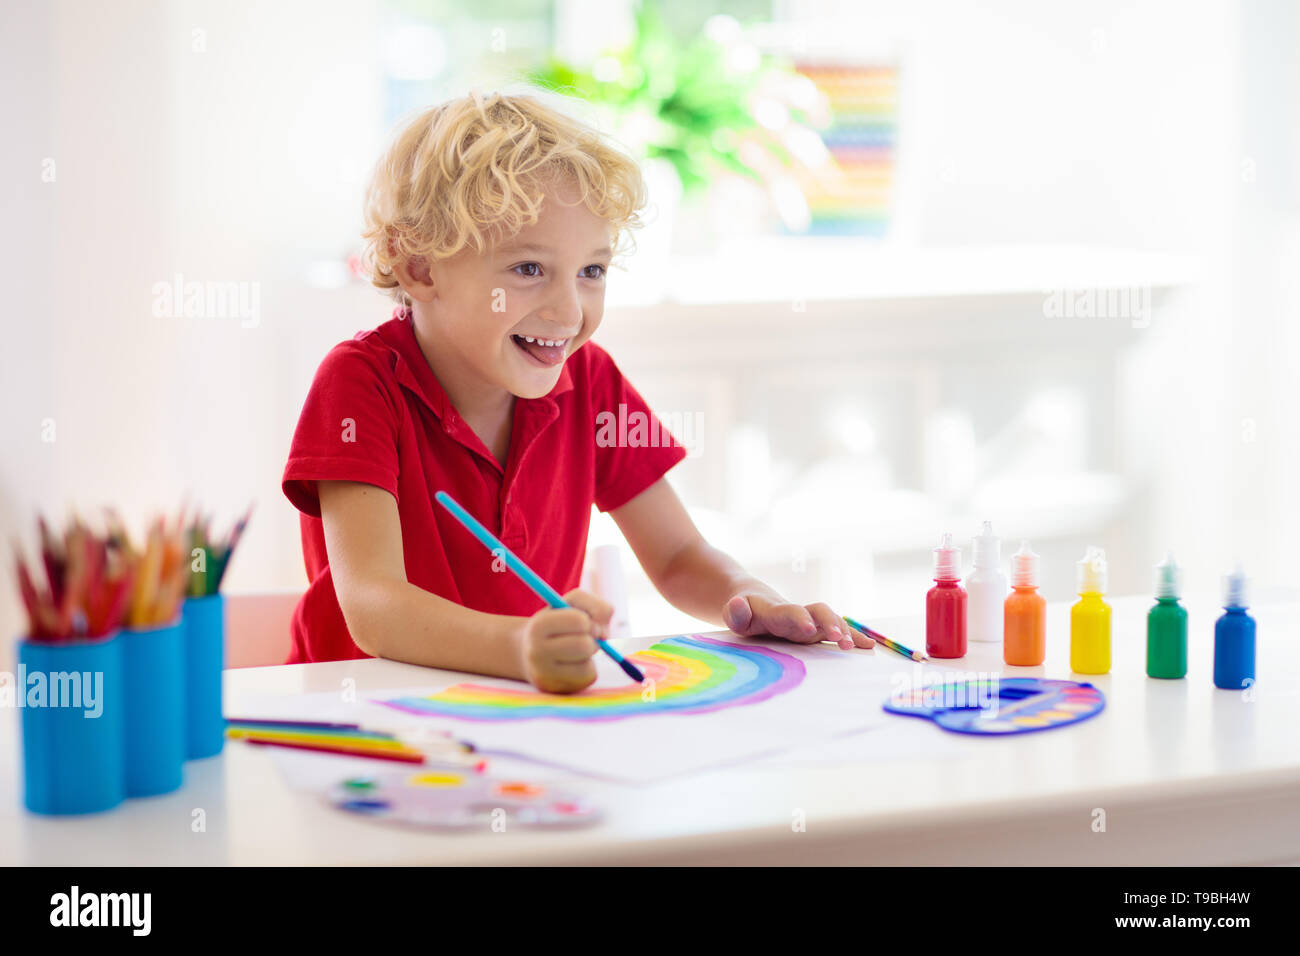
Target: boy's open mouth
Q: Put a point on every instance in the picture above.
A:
(545, 352)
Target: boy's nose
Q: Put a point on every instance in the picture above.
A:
(564, 310)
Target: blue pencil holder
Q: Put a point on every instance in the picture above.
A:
(205, 642)
(73, 752)
(153, 665)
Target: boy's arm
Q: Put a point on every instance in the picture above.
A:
(697, 578)
(388, 616)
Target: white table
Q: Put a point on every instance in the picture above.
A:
(1184, 773)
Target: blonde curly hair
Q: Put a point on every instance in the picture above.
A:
(473, 171)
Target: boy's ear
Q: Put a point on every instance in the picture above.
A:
(415, 279)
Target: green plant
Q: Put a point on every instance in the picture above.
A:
(705, 106)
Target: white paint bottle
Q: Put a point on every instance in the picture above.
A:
(986, 588)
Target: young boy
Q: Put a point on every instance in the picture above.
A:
(492, 220)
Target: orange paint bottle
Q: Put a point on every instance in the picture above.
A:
(1024, 615)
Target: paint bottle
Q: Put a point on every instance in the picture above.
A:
(1024, 613)
(1167, 625)
(1090, 617)
(1234, 636)
(945, 605)
(986, 587)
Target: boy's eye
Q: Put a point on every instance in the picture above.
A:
(532, 270)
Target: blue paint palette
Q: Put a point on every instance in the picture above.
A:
(1016, 705)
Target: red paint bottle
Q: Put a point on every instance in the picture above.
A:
(945, 605)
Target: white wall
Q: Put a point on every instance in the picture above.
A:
(27, 366)
(1091, 123)
(236, 153)
(1104, 123)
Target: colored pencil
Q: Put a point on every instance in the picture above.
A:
(261, 722)
(346, 740)
(87, 583)
(216, 551)
(353, 741)
(160, 571)
(423, 739)
(478, 766)
(526, 574)
(881, 639)
(401, 757)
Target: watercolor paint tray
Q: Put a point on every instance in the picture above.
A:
(1014, 705)
(453, 799)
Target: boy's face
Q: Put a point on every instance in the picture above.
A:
(546, 283)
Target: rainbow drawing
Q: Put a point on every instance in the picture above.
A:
(684, 675)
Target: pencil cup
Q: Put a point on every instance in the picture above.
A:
(204, 640)
(153, 664)
(72, 697)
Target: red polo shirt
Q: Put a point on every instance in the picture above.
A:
(375, 413)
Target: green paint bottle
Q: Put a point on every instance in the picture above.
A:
(1167, 625)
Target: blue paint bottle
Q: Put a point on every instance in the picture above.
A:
(1234, 636)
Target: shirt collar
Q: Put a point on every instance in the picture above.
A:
(413, 371)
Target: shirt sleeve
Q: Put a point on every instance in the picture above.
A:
(347, 430)
(634, 449)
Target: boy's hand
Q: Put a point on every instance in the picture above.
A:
(755, 614)
(558, 643)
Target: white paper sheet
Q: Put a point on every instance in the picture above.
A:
(898, 740)
(841, 691)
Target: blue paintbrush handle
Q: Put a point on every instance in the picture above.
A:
(525, 573)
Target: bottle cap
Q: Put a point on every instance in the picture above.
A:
(947, 560)
(987, 548)
(1092, 571)
(1024, 567)
(1169, 578)
(1234, 588)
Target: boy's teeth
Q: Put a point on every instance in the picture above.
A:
(548, 342)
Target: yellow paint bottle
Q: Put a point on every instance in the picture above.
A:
(1090, 618)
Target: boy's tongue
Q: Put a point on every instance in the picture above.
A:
(550, 354)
